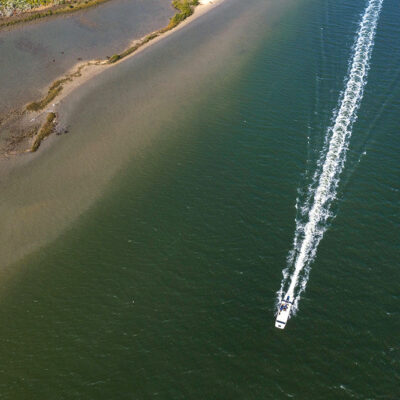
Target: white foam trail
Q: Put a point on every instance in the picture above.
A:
(316, 208)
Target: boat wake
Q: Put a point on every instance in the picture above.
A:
(314, 211)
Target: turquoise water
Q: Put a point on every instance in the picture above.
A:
(166, 285)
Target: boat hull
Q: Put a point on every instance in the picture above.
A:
(283, 313)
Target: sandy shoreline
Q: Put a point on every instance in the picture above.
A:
(98, 66)
(29, 121)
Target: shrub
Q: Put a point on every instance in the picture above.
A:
(114, 58)
(44, 131)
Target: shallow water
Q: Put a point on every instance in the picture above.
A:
(117, 116)
(185, 191)
(35, 54)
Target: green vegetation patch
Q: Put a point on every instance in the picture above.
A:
(185, 8)
(114, 58)
(45, 130)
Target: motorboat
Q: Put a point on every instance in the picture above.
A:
(283, 313)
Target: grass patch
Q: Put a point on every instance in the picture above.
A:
(45, 130)
(114, 58)
(185, 8)
(150, 37)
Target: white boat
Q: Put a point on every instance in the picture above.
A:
(283, 313)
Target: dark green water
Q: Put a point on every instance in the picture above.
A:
(165, 286)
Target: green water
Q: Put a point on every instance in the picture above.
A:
(165, 285)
